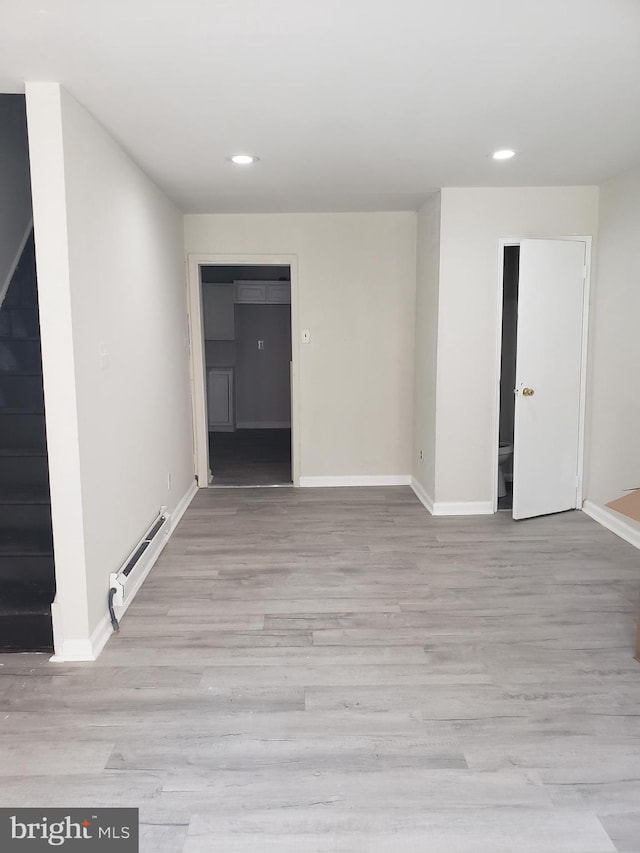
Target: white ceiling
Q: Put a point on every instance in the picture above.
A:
(350, 104)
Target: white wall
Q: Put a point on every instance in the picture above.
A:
(426, 340)
(356, 296)
(472, 221)
(613, 404)
(111, 278)
(71, 613)
(15, 189)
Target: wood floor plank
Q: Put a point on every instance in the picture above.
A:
(325, 829)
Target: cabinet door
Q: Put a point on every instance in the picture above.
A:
(251, 291)
(279, 292)
(220, 399)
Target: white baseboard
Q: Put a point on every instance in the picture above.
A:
(463, 508)
(89, 649)
(365, 480)
(614, 522)
(421, 494)
(450, 507)
(264, 425)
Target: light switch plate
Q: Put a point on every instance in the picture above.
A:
(306, 336)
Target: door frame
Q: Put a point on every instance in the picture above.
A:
(197, 353)
(503, 242)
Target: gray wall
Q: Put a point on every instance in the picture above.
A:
(262, 376)
(220, 353)
(217, 305)
(15, 185)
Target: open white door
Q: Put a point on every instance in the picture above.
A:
(548, 372)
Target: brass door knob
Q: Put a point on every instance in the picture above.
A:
(528, 392)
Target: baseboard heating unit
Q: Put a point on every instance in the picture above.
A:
(125, 581)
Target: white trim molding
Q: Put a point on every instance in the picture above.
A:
(84, 650)
(463, 508)
(357, 480)
(198, 369)
(614, 522)
(89, 649)
(419, 491)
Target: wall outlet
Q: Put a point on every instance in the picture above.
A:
(421, 456)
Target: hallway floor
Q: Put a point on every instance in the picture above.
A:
(335, 671)
(250, 457)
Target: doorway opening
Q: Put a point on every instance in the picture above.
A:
(246, 321)
(510, 268)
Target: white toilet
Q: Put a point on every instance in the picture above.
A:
(505, 452)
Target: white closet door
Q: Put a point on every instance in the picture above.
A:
(548, 370)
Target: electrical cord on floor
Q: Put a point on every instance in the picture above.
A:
(112, 612)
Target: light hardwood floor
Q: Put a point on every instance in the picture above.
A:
(334, 671)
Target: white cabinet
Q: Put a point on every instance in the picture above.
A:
(279, 292)
(251, 291)
(220, 399)
(274, 292)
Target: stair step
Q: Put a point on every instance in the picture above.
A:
(24, 594)
(20, 542)
(19, 322)
(20, 469)
(36, 411)
(26, 630)
(20, 518)
(22, 430)
(22, 410)
(21, 391)
(33, 570)
(24, 493)
(23, 290)
(39, 452)
(17, 354)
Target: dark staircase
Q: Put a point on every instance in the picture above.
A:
(27, 579)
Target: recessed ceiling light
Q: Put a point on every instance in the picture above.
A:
(243, 159)
(503, 154)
